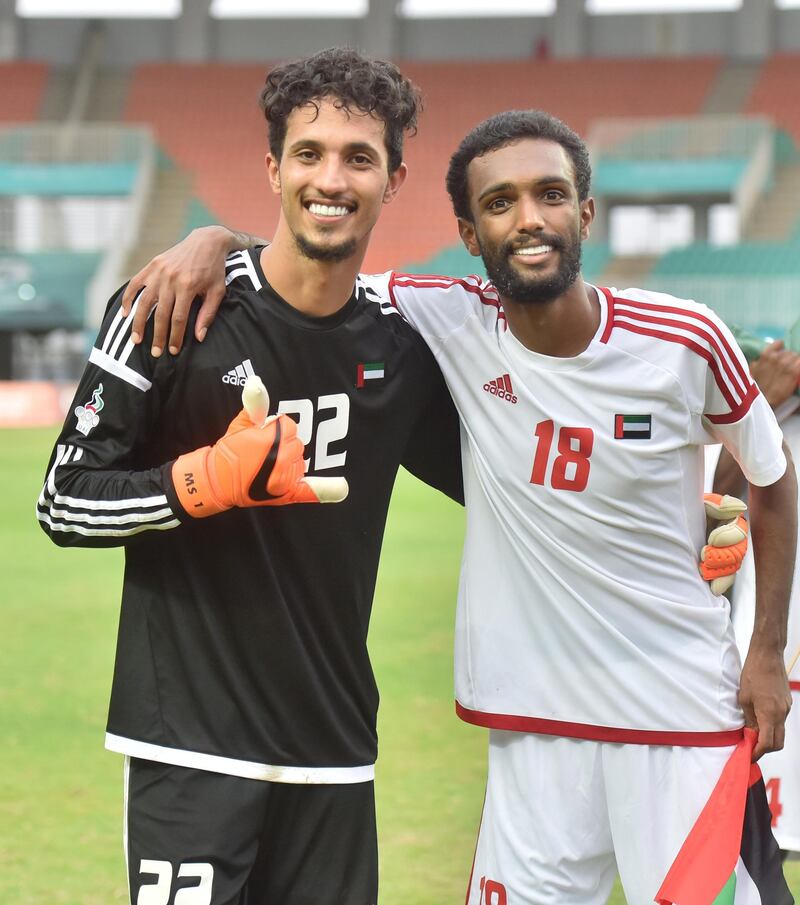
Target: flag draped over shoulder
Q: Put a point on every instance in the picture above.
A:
(730, 856)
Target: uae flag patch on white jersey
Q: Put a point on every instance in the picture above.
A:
(632, 427)
(369, 370)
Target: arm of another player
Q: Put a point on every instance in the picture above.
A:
(172, 280)
(764, 691)
(738, 415)
(777, 373)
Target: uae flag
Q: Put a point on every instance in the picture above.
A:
(730, 856)
(370, 370)
(632, 427)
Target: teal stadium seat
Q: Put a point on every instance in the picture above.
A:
(45, 290)
(748, 259)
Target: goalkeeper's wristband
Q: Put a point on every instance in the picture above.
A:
(195, 486)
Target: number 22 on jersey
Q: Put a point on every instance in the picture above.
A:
(330, 429)
(570, 468)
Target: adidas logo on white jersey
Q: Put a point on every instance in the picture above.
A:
(501, 386)
(238, 375)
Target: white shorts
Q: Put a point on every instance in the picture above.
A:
(562, 816)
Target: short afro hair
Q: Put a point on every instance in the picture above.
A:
(507, 129)
(354, 82)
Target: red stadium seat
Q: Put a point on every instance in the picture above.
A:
(206, 118)
(23, 102)
(775, 92)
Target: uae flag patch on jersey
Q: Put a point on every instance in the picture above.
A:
(632, 427)
(369, 370)
(730, 856)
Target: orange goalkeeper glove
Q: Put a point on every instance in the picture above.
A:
(722, 556)
(258, 462)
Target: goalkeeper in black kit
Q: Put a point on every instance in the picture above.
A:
(243, 698)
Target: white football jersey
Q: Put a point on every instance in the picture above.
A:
(581, 610)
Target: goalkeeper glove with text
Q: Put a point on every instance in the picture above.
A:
(258, 462)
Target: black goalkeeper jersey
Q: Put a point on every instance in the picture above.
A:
(242, 643)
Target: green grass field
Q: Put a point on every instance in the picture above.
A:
(60, 792)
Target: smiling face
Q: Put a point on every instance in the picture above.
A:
(333, 179)
(527, 222)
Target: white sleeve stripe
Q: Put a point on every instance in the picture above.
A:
(110, 532)
(137, 517)
(240, 264)
(121, 325)
(112, 330)
(134, 378)
(252, 271)
(235, 258)
(120, 331)
(232, 274)
(62, 455)
(124, 331)
(110, 505)
(130, 345)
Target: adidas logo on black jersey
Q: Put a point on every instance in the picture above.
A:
(238, 375)
(501, 386)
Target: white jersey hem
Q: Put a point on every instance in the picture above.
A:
(246, 769)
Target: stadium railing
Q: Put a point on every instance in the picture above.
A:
(658, 158)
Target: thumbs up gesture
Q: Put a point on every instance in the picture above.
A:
(258, 462)
(255, 400)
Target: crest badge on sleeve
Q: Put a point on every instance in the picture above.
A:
(88, 414)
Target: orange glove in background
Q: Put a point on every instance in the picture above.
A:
(722, 556)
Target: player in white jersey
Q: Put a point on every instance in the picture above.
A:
(610, 689)
(777, 372)
(601, 460)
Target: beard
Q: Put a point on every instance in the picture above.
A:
(532, 289)
(329, 253)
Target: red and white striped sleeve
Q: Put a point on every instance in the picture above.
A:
(732, 409)
(436, 305)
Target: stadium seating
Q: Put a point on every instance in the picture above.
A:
(746, 259)
(21, 104)
(206, 113)
(775, 92)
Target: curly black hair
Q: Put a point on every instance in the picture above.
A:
(354, 82)
(506, 129)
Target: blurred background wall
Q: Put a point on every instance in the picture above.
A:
(123, 126)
